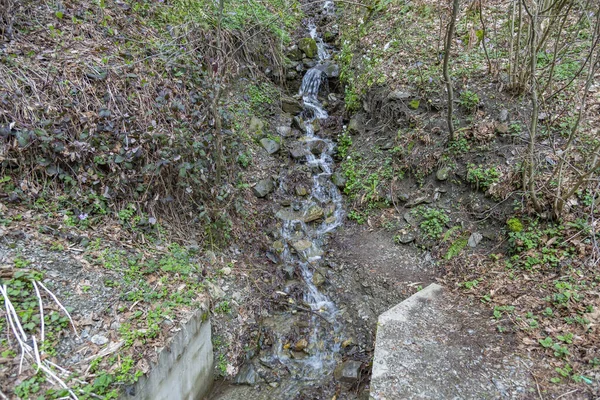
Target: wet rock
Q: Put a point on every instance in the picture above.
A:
(263, 188)
(348, 371)
(502, 128)
(308, 63)
(339, 179)
(308, 47)
(442, 173)
(474, 239)
(291, 105)
(313, 213)
(329, 37)
(301, 190)
(307, 249)
(318, 279)
(503, 117)
(331, 69)
(247, 376)
(399, 95)
(317, 146)
(278, 246)
(298, 123)
(99, 340)
(301, 344)
(269, 145)
(256, 125)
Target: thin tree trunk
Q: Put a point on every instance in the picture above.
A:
(449, 39)
(218, 88)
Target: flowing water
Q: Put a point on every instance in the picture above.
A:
(323, 339)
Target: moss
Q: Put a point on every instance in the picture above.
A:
(514, 225)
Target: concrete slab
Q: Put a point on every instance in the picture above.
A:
(435, 346)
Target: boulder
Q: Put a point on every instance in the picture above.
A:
(269, 145)
(308, 47)
(474, 239)
(291, 105)
(313, 213)
(263, 187)
(298, 122)
(247, 376)
(284, 130)
(297, 151)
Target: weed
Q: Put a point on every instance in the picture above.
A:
(433, 221)
(482, 178)
(469, 100)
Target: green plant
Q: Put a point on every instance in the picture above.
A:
(514, 225)
(469, 100)
(344, 143)
(433, 221)
(481, 177)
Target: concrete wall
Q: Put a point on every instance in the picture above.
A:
(185, 367)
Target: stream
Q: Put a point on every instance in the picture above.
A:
(287, 368)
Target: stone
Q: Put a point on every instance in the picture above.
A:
(301, 190)
(399, 95)
(403, 197)
(442, 173)
(417, 201)
(247, 376)
(215, 291)
(317, 146)
(348, 371)
(339, 179)
(502, 128)
(318, 279)
(301, 344)
(211, 257)
(307, 249)
(474, 239)
(295, 54)
(298, 123)
(329, 37)
(291, 75)
(226, 271)
(278, 246)
(355, 126)
(284, 130)
(308, 63)
(331, 69)
(269, 145)
(99, 340)
(313, 213)
(503, 117)
(406, 236)
(291, 105)
(409, 217)
(308, 47)
(263, 187)
(256, 125)
(297, 151)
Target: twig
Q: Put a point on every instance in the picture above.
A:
(61, 306)
(37, 292)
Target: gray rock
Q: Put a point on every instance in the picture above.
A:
(298, 151)
(317, 146)
(406, 236)
(308, 47)
(339, 179)
(298, 123)
(263, 187)
(307, 249)
(348, 371)
(284, 130)
(442, 173)
(211, 257)
(295, 54)
(318, 279)
(331, 69)
(291, 75)
(269, 145)
(408, 217)
(403, 197)
(308, 63)
(474, 239)
(256, 125)
(399, 95)
(417, 201)
(247, 376)
(99, 340)
(313, 213)
(291, 105)
(215, 291)
(503, 115)
(355, 126)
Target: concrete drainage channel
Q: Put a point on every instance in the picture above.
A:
(185, 367)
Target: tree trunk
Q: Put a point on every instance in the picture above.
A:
(448, 47)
